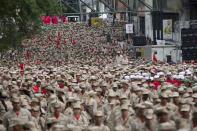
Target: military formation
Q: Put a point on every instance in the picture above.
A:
(90, 95)
(70, 43)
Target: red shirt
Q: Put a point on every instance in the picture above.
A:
(36, 89)
(169, 81)
(61, 85)
(77, 117)
(177, 83)
(44, 91)
(17, 113)
(57, 116)
(156, 84)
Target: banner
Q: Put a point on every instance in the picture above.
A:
(96, 21)
(47, 20)
(167, 29)
(54, 20)
(129, 28)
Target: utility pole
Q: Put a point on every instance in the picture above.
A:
(97, 5)
(61, 12)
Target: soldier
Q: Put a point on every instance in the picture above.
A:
(138, 123)
(99, 98)
(3, 106)
(91, 103)
(69, 107)
(145, 96)
(125, 119)
(166, 126)
(50, 123)
(164, 100)
(194, 120)
(34, 102)
(120, 128)
(184, 122)
(50, 103)
(16, 112)
(176, 99)
(163, 116)
(16, 124)
(195, 101)
(125, 88)
(110, 110)
(168, 105)
(39, 121)
(78, 120)
(61, 95)
(58, 116)
(98, 124)
(136, 95)
(2, 128)
(83, 93)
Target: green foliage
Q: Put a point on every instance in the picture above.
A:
(27, 22)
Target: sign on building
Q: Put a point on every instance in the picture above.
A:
(129, 28)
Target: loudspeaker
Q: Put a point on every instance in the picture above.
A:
(169, 58)
(189, 54)
(139, 41)
(189, 37)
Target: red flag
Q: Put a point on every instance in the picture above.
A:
(22, 68)
(54, 20)
(64, 19)
(47, 20)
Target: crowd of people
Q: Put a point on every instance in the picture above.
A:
(70, 78)
(70, 43)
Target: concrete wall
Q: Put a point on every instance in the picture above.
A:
(163, 51)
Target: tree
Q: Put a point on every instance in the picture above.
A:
(21, 18)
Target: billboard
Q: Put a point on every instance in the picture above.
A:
(167, 29)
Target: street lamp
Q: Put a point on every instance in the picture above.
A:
(1, 35)
(17, 11)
